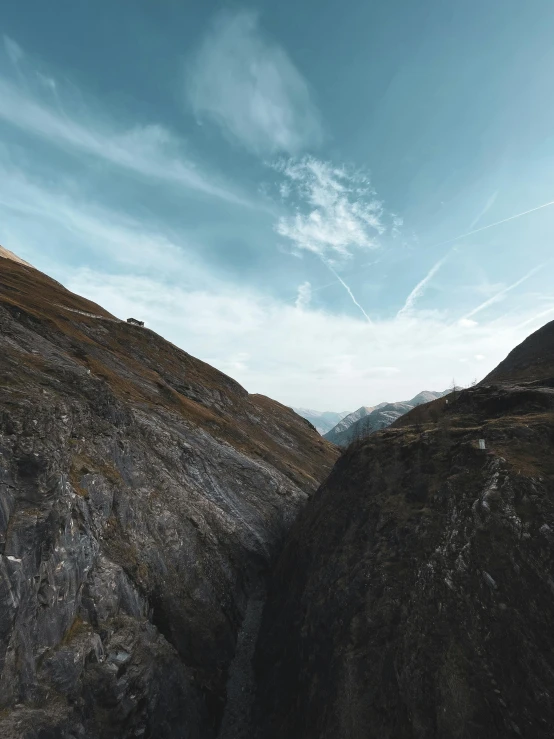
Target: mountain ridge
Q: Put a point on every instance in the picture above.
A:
(369, 419)
(532, 360)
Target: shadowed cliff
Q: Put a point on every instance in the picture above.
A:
(414, 598)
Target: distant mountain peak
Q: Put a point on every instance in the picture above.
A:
(368, 419)
(323, 421)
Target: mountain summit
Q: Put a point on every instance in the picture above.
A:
(366, 420)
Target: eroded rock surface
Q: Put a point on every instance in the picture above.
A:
(415, 596)
(142, 492)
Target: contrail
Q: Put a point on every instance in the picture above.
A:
(420, 287)
(488, 206)
(499, 294)
(348, 290)
(418, 290)
(535, 318)
(491, 225)
(323, 287)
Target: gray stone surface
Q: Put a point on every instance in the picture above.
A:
(141, 494)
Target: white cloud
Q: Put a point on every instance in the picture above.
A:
(298, 355)
(337, 211)
(251, 89)
(149, 150)
(467, 322)
(306, 358)
(284, 190)
(304, 295)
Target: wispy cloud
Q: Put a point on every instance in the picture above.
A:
(44, 218)
(304, 295)
(294, 353)
(397, 223)
(420, 288)
(249, 86)
(39, 107)
(501, 293)
(300, 357)
(337, 211)
(488, 205)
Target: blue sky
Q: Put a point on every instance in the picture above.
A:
(280, 188)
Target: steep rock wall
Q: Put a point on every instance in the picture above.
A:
(414, 598)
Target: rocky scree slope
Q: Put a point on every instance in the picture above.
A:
(415, 596)
(142, 492)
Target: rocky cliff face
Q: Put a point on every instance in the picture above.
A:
(415, 596)
(142, 496)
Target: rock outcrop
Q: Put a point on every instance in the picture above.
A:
(414, 598)
(143, 494)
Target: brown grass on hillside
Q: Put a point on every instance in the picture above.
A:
(141, 368)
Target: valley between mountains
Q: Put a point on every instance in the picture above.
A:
(366, 420)
(180, 558)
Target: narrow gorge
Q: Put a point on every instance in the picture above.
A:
(179, 558)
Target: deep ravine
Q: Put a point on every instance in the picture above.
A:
(143, 494)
